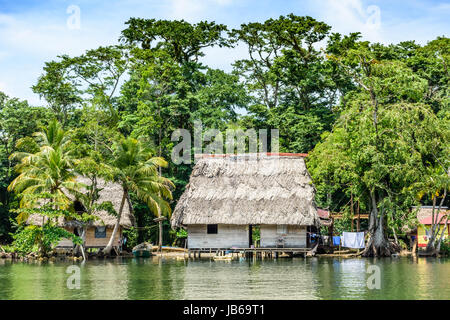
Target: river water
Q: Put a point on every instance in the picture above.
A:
(297, 278)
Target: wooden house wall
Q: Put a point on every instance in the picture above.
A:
(227, 236)
(294, 238)
(422, 238)
(91, 240)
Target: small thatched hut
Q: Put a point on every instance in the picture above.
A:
(229, 194)
(99, 231)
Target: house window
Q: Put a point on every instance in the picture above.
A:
(211, 229)
(100, 232)
(281, 229)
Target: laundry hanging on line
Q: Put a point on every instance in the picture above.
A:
(336, 240)
(354, 240)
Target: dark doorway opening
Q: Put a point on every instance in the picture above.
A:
(254, 235)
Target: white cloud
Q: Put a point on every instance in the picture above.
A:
(387, 22)
(195, 10)
(185, 9)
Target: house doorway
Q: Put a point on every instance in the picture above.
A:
(312, 236)
(254, 235)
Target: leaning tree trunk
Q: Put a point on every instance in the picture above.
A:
(81, 247)
(434, 243)
(444, 229)
(109, 246)
(430, 249)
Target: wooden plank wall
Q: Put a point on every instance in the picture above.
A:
(227, 236)
(91, 240)
(295, 237)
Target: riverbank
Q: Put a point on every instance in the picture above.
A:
(182, 254)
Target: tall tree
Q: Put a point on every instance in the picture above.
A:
(291, 82)
(17, 120)
(137, 171)
(183, 41)
(48, 170)
(385, 138)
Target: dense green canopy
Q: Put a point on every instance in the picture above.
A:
(375, 118)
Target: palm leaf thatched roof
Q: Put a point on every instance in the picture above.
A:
(248, 189)
(109, 191)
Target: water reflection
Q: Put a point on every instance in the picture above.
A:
(249, 280)
(298, 278)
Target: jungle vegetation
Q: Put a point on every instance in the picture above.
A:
(374, 119)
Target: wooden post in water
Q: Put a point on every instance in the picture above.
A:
(351, 207)
(160, 221)
(358, 223)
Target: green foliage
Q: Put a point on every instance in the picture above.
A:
(136, 170)
(182, 40)
(385, 141)
(445, 247)
(132, 237)
(181, 233)
(373, 117)
(292, 85)
(341, 225)
(49, 170)
(41, 239)
(8, 248)
(17, 121)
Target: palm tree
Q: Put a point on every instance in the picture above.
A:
(137, 171)
(49, 170)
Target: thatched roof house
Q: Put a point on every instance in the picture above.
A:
(99, 230)
(109, 192)
(243, 190)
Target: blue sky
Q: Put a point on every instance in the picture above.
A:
(33, 31)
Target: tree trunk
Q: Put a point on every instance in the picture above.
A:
(444, 229)
(434, 243)
(378, 244)
(81, 247)
(108, 248)
(351, 209)
(430, 249)
(358, 224)
(160, 236)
